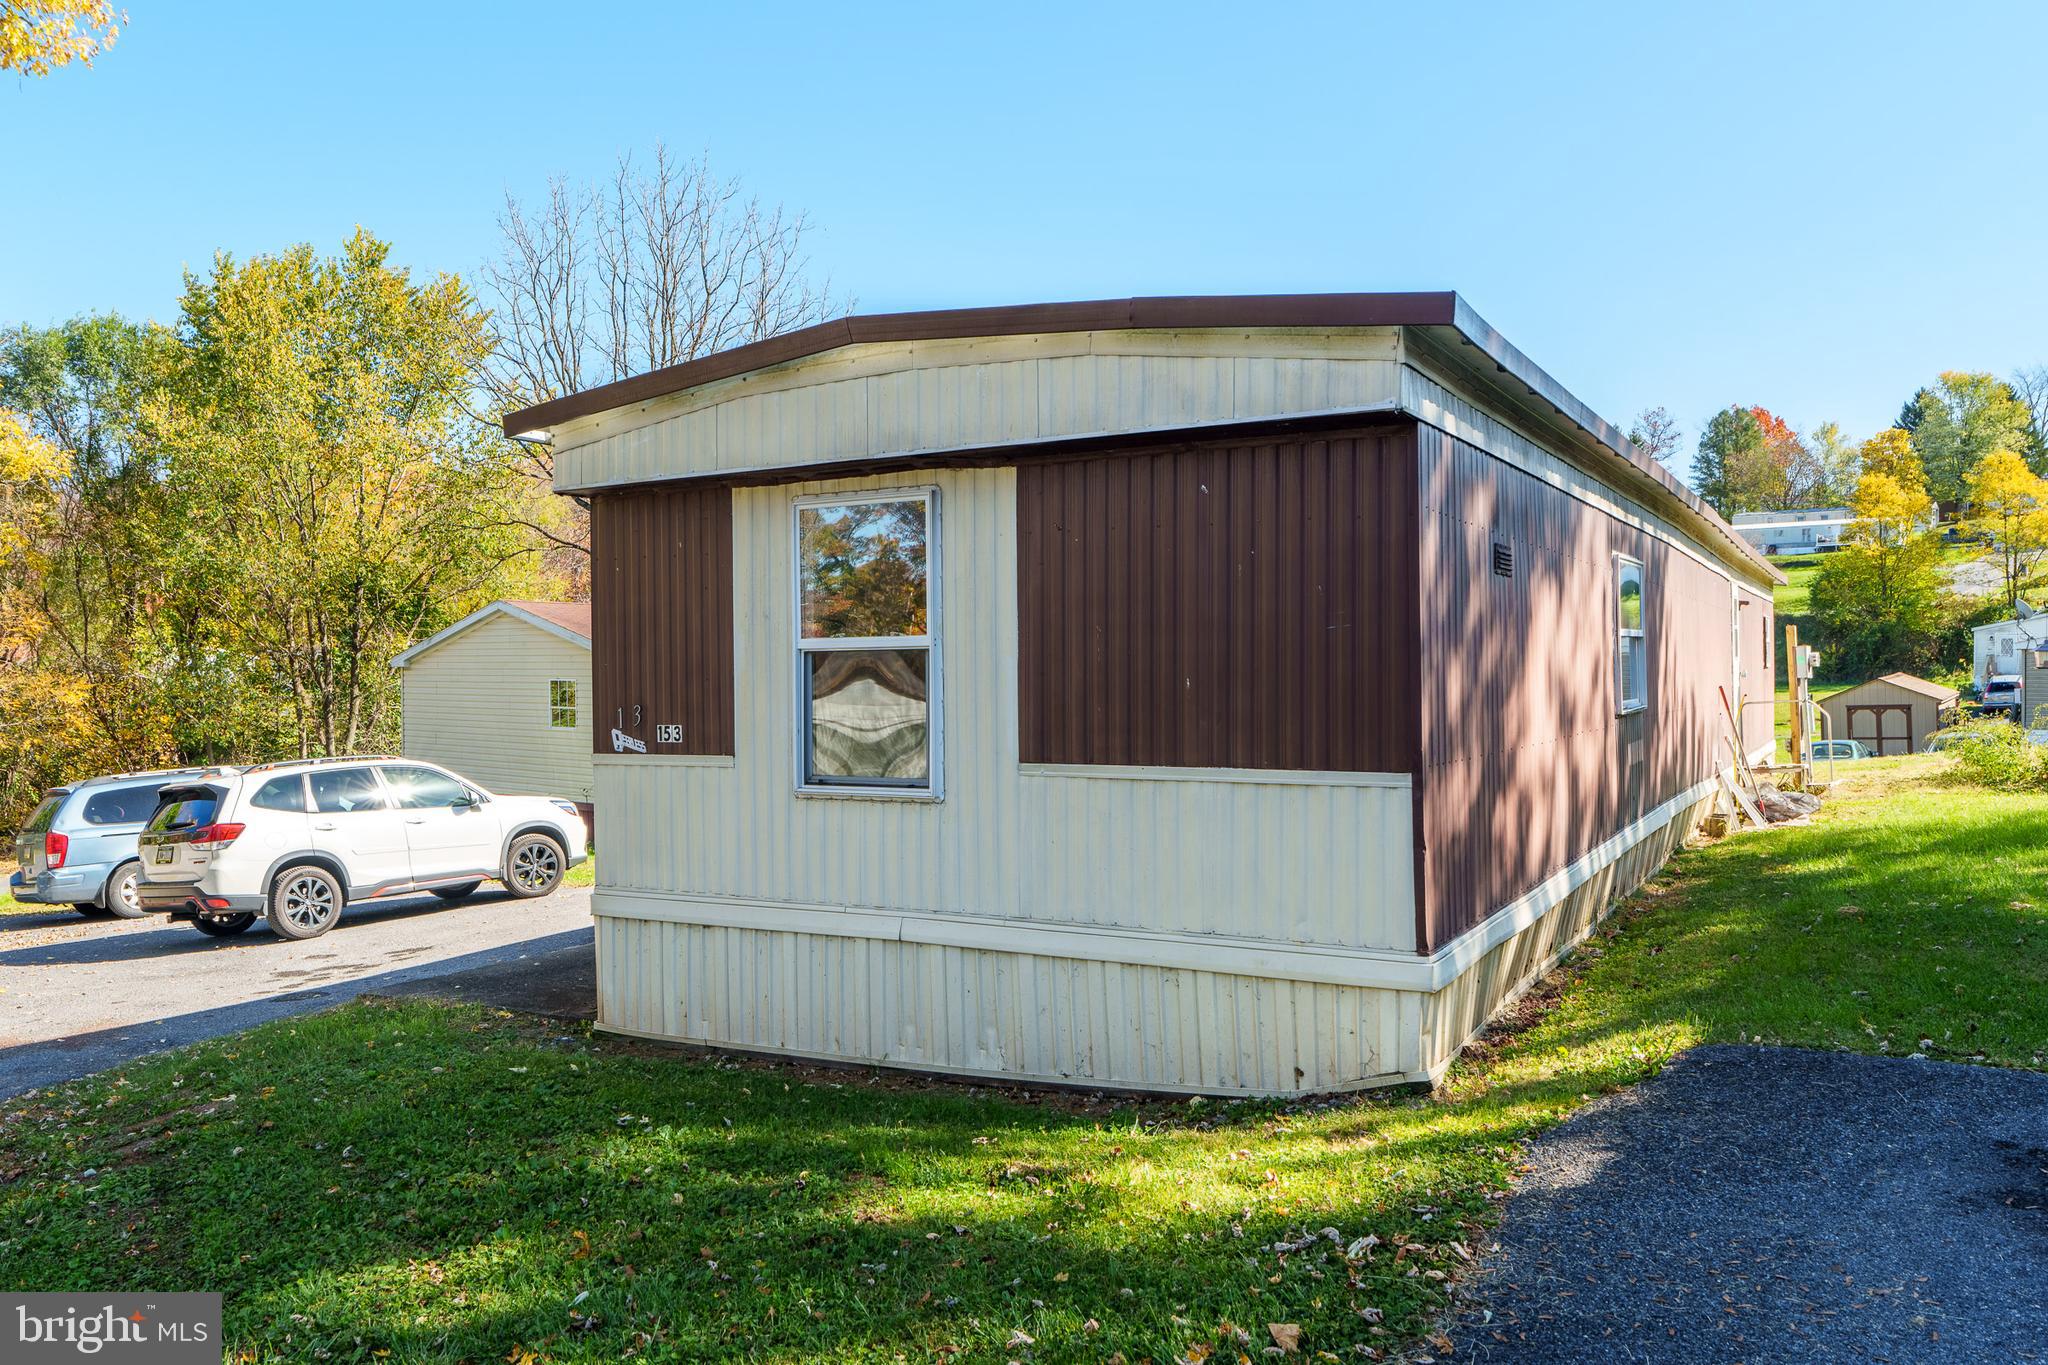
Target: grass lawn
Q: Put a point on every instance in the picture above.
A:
(420, 1182)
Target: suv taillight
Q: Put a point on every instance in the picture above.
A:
(215, 836)
(56, 848)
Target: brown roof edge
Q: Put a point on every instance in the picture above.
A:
(1222, 310)
(1504, 353)
(1432, 309)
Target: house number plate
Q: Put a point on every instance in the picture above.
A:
(668, 734)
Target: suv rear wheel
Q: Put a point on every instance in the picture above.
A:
(120, 897)
(305, 902)
(457, 892)
(533, 866)
(223, 926)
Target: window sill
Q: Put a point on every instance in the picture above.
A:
(873, 794)
(1635, 710)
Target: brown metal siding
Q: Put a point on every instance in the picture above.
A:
(1525, 765)
(661, 620)
(1227, 605)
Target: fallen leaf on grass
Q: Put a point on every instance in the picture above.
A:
(1286, 1335)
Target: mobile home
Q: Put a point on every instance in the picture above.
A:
(1233, 695)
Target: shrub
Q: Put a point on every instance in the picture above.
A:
(1995, 754)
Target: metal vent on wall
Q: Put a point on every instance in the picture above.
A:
(1504, 560)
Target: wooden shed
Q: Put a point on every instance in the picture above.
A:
(1236, 695)
(503, 697)
(1892, 714)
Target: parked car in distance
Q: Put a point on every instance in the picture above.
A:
(2001, 696)
(78, 847)
(296, 842)
(1838, 749)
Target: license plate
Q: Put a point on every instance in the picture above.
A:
(164, 854)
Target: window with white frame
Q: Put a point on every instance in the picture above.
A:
(867, 670)
(561, 704)
(1632, 654)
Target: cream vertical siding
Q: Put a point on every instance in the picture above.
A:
(1073, 1019)
(860, 402)
(478, 703)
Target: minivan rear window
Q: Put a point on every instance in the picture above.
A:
(120, 805)
(40, 819)
(187, 808)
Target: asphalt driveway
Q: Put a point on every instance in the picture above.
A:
(1775, 1204)
(80, 995)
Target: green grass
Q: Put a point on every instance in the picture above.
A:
(1793, 596)
(443, 1184)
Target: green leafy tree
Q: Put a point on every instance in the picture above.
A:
(1836, 464)
(344, 499)
(1960, 420)
(1726, 461)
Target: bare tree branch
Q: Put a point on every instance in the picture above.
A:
(654, 266)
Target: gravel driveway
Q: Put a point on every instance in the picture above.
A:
(1774, 1204)
(80, 995)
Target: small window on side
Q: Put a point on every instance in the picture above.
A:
(561, 704)
(281, 793)
(1632, 652)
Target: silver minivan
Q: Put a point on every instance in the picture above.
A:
(79, 845)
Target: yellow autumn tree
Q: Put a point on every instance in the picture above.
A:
(2008, 505)
(38, 36)
(1891, 452)
(44, 722)
(1886, 510)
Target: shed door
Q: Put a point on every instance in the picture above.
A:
(1882, 729)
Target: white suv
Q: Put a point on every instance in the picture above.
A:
(295, 842)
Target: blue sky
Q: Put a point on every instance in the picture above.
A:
(1813, 207)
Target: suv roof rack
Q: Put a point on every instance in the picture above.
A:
(315, 762)
(210, 770)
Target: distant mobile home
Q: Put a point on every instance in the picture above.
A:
(1798, 531)
(1230, 695)
(503, 697)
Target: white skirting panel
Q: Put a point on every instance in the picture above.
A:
(975, 1012)
(1097, 1021)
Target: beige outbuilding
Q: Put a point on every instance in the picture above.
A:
(1892, 714)
(503, 697)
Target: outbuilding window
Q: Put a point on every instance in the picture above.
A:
(562, 704)
(867, 667)
(1631, 653)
